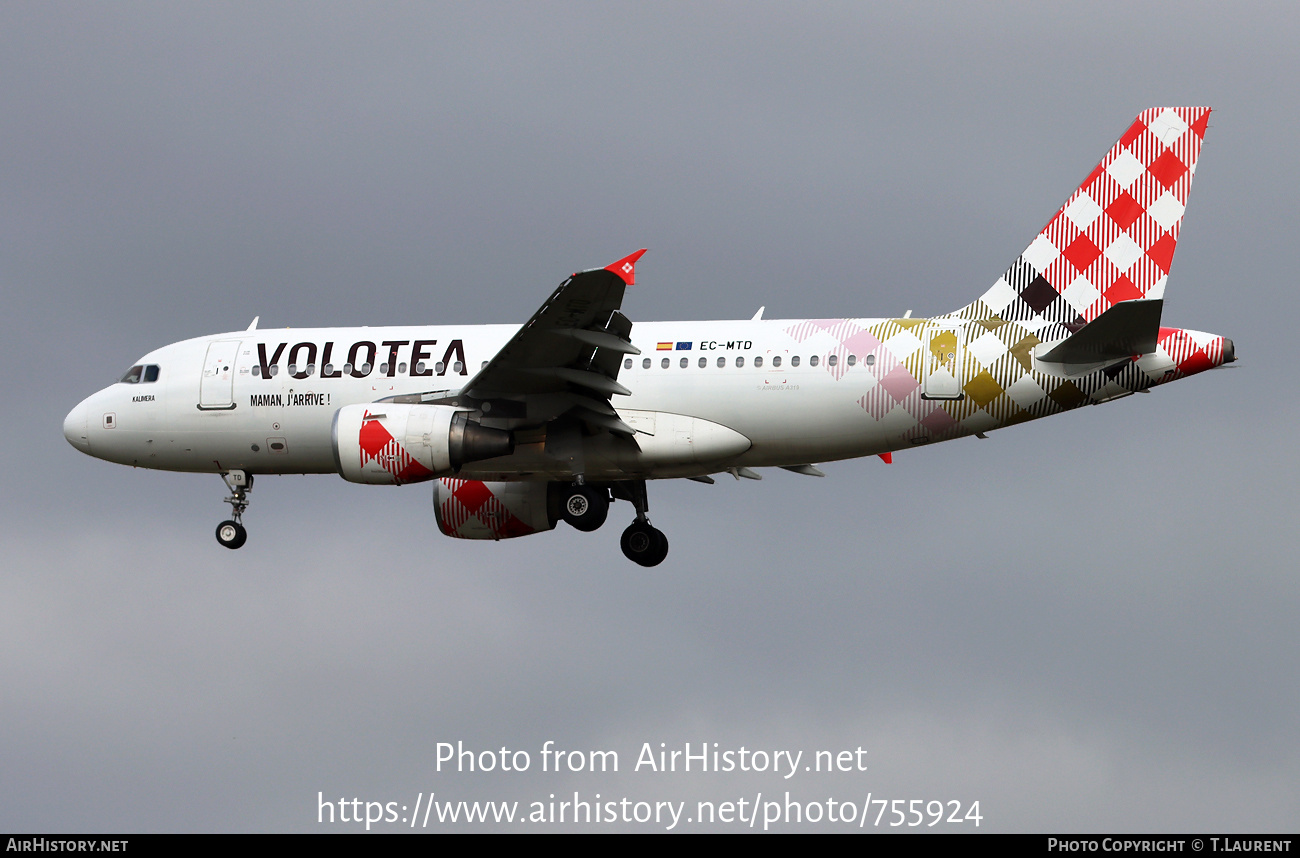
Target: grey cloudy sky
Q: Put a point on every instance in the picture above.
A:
(1086, 623)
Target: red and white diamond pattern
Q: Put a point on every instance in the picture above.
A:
(1190, 351)
(1114, 238)
(472, 511)
(378, 445)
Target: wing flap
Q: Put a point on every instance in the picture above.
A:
(599, 340)
(594, 381)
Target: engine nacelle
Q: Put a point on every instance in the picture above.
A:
(384, 443)
(473, 509)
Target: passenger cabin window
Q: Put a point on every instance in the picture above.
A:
(834, 359)
(869, 360)
(776, 361)
(794, 361)
(645, 364)
(758, 362)
(627, 363)
(740, 361)
(812, 361)
(664, 363)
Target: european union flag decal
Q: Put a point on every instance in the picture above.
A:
(683, 347)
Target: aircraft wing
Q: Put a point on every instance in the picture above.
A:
(574, 345)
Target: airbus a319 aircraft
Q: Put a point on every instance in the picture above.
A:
(521, 427)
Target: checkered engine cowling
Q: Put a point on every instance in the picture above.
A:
(473, 509)
(392, 444)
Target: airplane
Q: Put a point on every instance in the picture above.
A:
(518, 428)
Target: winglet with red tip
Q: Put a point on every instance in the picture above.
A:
(625, 268)
(887, 458)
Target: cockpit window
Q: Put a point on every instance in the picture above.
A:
(137, 374)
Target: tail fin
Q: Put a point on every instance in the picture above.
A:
(1114, 238)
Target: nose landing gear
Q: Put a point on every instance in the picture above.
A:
(232, 533)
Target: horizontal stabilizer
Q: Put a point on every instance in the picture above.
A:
(1126, 329)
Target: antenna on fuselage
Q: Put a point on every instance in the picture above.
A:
(758, 317)
(253, 325)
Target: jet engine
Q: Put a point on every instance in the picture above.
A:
(383, 443)
(473, 509)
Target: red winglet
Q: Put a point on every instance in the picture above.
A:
(626, 267)
(887, 458)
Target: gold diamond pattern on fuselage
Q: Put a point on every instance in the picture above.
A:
(983, 389)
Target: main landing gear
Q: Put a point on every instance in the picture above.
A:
(586, 507)
(231, 533)
(642, 542)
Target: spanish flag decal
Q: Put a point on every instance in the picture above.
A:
(664, 347)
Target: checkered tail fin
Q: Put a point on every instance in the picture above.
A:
(1114, 238)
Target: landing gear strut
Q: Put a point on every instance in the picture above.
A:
(642, 542)
(231, 533)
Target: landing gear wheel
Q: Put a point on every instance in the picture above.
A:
(661, 552)
(644, 544)
(584, 507)
(231, 534)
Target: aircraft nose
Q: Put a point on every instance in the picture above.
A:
(75, 427)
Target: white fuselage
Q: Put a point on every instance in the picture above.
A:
(213, 409)
(703, 397)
